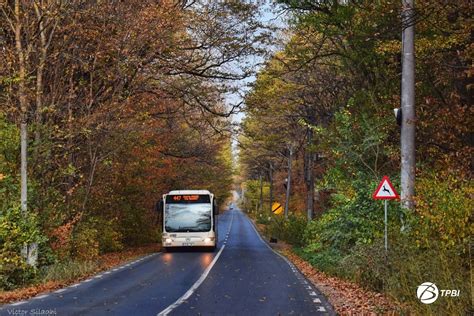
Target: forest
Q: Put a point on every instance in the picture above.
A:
(119, 103)
(320, 133)
(107, 105)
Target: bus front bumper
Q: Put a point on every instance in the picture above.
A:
(188, 242)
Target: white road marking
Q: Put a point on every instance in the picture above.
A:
(85, 281)
(293, 268)
(196, 285)
(193, 288)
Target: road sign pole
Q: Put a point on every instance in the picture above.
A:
(385, 191)
(386, 227)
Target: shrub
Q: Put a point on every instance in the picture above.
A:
(405, 267)
(347, 241)
(16, 231)
(444, 210)
(327, 260)
(263, 219)
(138, 226)
(110, 239)
(85, 243)
(290, 230)
(353, 220)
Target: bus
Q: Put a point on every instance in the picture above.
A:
(189, 219)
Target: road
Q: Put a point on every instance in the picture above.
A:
(242, 277)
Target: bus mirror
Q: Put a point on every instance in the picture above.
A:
(159, 207)
(215, 209)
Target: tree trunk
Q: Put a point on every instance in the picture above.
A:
(260, 203)
(270, 173)
(28, 251)
(288, 183)
(309, 177)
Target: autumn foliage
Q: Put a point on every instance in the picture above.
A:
(329, 94)
(123, 102)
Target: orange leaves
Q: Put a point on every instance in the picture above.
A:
(347, 298)
(61, 236)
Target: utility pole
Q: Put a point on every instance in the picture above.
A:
(288, 183)
(407, 140)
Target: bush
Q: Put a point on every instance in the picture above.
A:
(444, 210)
(347, 241)
(16, 231)
(290, 230)
(263, 219)
(138, 226)
(327, 260)
(408, 266)
(110, 239)
(354, 219)
(85, 243)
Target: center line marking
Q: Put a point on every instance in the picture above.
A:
(195, 286)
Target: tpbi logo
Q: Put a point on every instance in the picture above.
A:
(428, 292)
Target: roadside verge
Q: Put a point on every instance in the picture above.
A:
(346, 297)
(104, 263)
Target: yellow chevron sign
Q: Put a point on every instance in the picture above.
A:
(277, 209)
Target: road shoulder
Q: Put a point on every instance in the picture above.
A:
(344, 296)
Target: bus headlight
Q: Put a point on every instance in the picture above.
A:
(168, 240)
(208, 239)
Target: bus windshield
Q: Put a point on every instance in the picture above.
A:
(188, 217)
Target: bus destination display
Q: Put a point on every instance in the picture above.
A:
(188, 198)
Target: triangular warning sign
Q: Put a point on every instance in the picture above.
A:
(385, 190)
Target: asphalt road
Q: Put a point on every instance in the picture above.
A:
(242, 277)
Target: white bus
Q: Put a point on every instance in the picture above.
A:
(189, 219)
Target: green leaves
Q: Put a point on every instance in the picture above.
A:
(16, 231)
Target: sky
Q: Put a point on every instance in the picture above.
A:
(269, 16)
